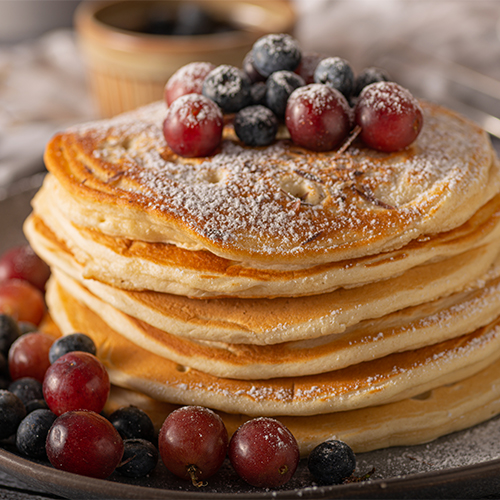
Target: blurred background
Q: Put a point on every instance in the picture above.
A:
(53, 75)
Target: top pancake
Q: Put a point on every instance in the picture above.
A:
(279, 206)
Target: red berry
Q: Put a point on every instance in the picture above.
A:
(85, 443)
(22, 301)
(318, 117)
(29, 356)
(76, 381)
(187, 80)
(24, 264)
(264, 453)
(193, 126)
(193, 443)
(389, 116)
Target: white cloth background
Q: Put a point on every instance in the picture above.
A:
(42, 90)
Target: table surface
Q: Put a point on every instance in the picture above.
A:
(13, 489)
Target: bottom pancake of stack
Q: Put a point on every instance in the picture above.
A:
(427, 415)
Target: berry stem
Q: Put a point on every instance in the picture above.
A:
(358, 479)
(193, 474)
(345, 146)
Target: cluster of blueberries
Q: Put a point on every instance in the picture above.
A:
(272, 70)
(26, 418)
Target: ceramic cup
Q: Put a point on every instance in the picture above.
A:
(128, 67)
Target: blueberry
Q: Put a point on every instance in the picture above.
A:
(139, 458)
(32, 433)
(331, 462)
(368, 76)
(12, 411)
(71, 343)
(9, 332)
(276, 52)
(229, 87)
(36, 404)
(258, 93)
(133, 423)
(336, 73)
(256, 125)
(26, 389)
(279, 86)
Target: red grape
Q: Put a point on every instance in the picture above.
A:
(389, 116)
(85, 443)
(29, 356)
(76, 381)
(22, 301)
(24, 264)
(193, 443)
(187, 80)
(264, 452)
(193, 126)
(317, 117)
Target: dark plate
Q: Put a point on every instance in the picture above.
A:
(461, 465)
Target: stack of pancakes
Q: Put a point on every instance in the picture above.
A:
(352, 293)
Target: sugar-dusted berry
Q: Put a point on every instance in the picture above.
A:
(193, 126)
(256, 125)
(279, 86)
(336, 73)
(389, 116)
(229, 87)
(276, 52)
(187, 80)
(318, 117)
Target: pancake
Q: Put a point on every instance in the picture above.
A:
(141, 265)
(273, 321)
(389, 379)
(408, 422)
(351, 293)
(400, 331)
(278, 206)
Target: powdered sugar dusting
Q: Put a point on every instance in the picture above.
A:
(194, 109)
(247, 207)
(388, 95)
